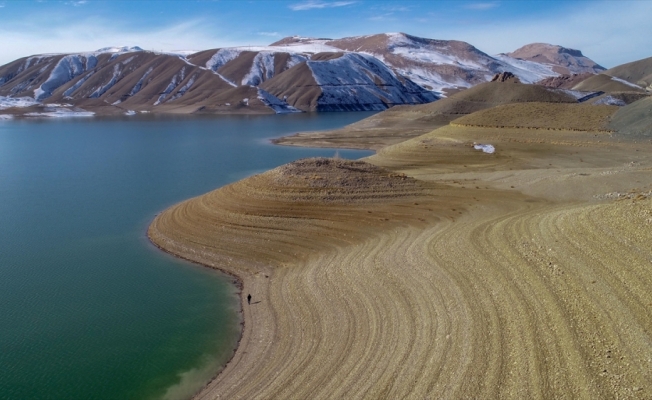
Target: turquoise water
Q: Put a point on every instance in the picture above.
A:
(89, 309)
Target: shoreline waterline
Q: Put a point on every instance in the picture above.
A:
(237, 282)
(366, 299)
(78, 196)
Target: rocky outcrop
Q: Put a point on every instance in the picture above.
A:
(505, 77)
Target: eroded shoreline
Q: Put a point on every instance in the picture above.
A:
(317, 264)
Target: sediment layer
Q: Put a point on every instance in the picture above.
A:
(435, 270)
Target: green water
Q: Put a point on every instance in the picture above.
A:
(89, 309)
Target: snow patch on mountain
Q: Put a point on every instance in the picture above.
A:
(526, 71)
(221, 57)
(118, 49)
(426, 55)
(262, 68)
(139, 84)
(28, 63)
(101, 90)
(613, 78)
(279, 106)
(358, 81)
(176, 80)
(184, 88)
(432, 80)
(66, 70)
(77, 85)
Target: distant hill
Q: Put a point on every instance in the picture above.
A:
(631, 77)
(635, 118)
(441, 65)
(562, 60)
(372, 72)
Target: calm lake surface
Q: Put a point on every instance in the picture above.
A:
(89, 309)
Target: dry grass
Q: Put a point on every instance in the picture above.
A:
(574, 117)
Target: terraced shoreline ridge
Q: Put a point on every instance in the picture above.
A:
(439, 269)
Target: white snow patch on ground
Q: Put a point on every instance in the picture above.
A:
(8, 102)
(295, 59)
(430, 56)
(60, 113)
(613, 78)
(526, 71)
(610, 101)
(486, 148)
(5, 117)
(279, 106)
(130, 112)
(362, 82)
(432, 79)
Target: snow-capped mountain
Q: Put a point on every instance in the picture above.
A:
(345, 82)
(440, 65)
(562, 60)
(356, 73)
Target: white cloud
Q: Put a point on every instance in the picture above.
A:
(317, 4)
(382, 17)
(37, 37)
(272, 34)
(608, 32)
(77, 3)
(482, 6)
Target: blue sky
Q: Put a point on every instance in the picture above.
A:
(609, 32)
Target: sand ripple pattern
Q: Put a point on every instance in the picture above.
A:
(542, 302)
(389, 292)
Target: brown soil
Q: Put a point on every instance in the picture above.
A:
(434, 270)
(297, 85)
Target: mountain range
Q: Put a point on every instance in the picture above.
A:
(294, 74)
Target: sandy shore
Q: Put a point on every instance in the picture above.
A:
(435, 270)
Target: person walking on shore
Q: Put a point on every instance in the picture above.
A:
(249, 298)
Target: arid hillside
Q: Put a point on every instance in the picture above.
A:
(507, 257)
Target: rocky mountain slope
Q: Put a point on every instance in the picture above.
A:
(441, 65)
(295, 74)
(561, 60)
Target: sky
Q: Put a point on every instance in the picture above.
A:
(609, 32)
